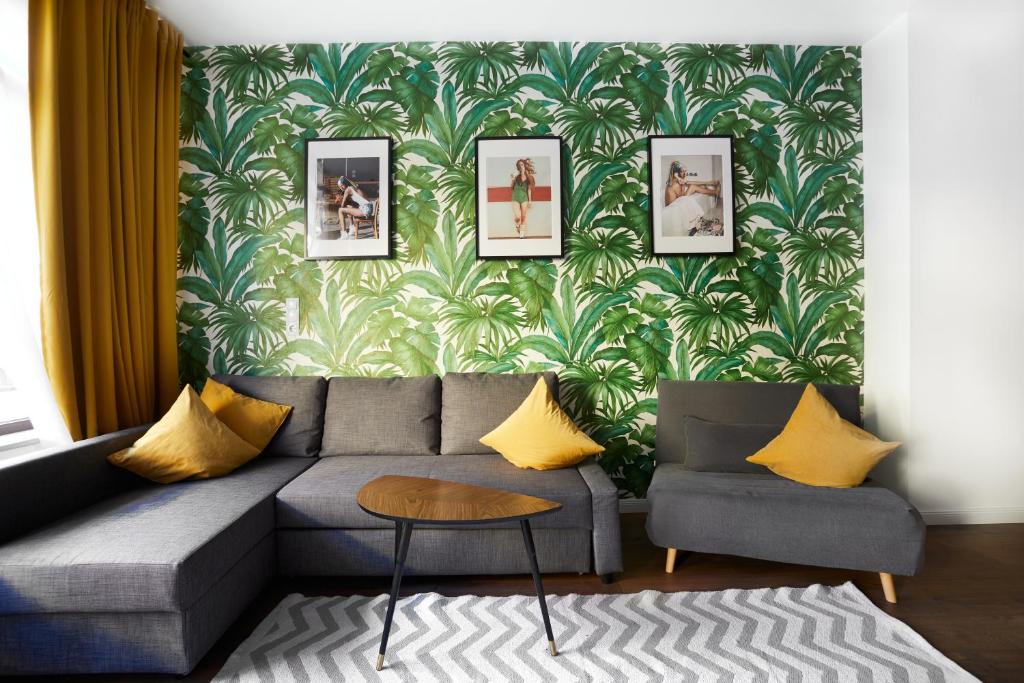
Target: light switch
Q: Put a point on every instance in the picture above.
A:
(291, 318)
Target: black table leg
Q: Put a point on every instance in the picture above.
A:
(398, 540)
(403, 531)
(532, 553)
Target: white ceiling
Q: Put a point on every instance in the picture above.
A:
(802, 22)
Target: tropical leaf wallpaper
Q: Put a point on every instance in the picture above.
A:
(609, 318)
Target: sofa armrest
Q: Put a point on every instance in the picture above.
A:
(607, 535)
(44, 488)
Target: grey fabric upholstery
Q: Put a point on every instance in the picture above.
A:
(735, 402)
(768, 517)
(155, 548)
(158, 642)
(325, 495)
(382, 416)
(104, 572)
(724, 447)
(432, 551)
(210, 616)
(756, 513)
(607, 531)
(301, 433)
(474, 403)
(38, 491)
(91, 642)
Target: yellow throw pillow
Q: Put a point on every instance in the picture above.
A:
(187, 443)
(819, 448)
(538, 435)
(254, 420)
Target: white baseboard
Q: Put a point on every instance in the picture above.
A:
(975, 516)
(627, 505)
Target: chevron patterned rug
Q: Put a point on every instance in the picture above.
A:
(819, 633)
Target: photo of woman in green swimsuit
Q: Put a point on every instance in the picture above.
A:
(523, 182)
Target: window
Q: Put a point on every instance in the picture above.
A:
(12, 411)
(15, 427)
(29, 419)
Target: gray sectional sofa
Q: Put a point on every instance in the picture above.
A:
(101, 571)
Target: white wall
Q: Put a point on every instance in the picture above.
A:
(794, 22)
(948, 276)
(887, 394)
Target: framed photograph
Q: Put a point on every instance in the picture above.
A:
(691, 206)
(348, 198)
(518, 197)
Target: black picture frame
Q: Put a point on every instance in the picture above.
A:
(655, 186)
(557, 189)
(387, 225)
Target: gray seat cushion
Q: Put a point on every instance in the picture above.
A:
(382, 416)
(302, 430)
(155, 548)
(724, 447)
(764, 516)
(474, 403)
(324, 497)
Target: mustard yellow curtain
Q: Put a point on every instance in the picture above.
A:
(104, 83)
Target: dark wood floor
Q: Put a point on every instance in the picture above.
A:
(968, 602)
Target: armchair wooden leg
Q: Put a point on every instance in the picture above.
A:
(670, 561)
(888, 587)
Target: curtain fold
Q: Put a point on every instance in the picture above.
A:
(104, 88)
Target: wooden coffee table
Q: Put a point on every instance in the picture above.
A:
(408, 501)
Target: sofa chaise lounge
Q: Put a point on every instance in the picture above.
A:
(743, 509)
(101, 571)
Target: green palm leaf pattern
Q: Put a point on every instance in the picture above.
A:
(609, 318)
(469, 63)
(249, 69)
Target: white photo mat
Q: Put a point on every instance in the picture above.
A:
(491, 152)
(379, 148)
(664, 150)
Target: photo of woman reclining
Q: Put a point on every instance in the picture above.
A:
(692, 206)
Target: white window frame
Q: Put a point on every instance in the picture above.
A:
(15, 432)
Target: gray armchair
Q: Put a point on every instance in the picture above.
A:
(705, 497)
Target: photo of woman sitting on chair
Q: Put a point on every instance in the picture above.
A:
(354, 208)
(348, 209)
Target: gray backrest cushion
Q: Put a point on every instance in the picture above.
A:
(303, 428)
(474, 403)
(46, 488)
(724, 447)
(382, 416)
(737, 403)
